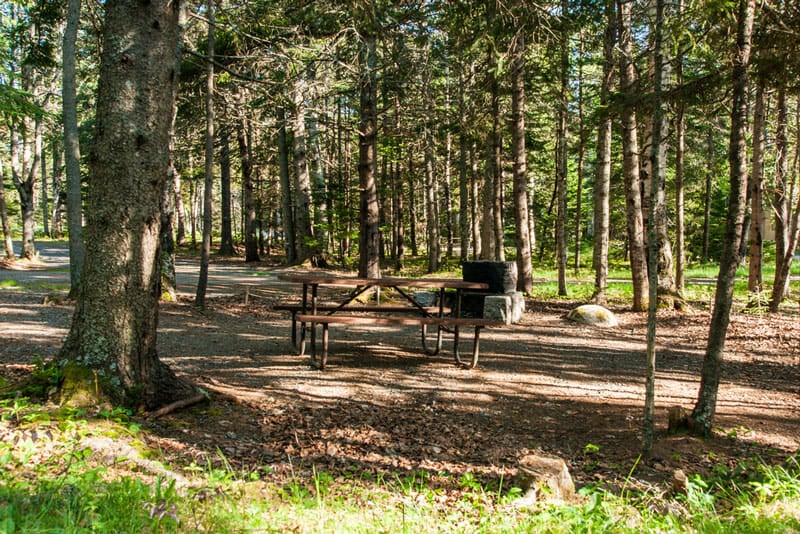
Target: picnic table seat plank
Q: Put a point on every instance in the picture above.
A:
(439, 322)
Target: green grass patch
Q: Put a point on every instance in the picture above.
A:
(53, 480)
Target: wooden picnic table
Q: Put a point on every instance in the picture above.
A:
(350, 312)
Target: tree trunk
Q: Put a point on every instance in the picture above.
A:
(44, 200)
(755, 281)
(9, 244)
(244, 141)
(431, 204)
(496, 186)
(475, 195)
(781, 198)
(180, 210)
(630, 149)
(680, 157)
(463, 177)
(24, 168)
(576, 260)
(711, 168)
(205, 253)
(602, 181)
(287, 213)
(113, 331)
(520, 180)
(412, 205)
(702, 419)
(302, 177)
(319, 190)
(658, 166)
(369, 230)
(561, 158)
(169, 280)
(226, 226)
(57, 184)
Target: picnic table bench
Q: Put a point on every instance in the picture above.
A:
(444, 319)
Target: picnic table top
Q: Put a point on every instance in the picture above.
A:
(388, 281)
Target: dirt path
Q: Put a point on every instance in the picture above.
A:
(381, 407)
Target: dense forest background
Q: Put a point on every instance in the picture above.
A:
(366, 132)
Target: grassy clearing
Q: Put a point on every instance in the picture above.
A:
(55, 478)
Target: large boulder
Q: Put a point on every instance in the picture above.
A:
(593, 315)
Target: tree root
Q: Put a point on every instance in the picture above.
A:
(177, 405)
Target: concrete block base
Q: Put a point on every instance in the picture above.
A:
(508, 307)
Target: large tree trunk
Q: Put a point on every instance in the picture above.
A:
(302, 177)
(520, 179)
(702, 419)
(369, 230)
(630, 149)
(755, 281)
(602, 181)
(113, 331)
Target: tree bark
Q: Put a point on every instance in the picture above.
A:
(287, 213)
(630, 148)
(244, 141)
(781, 200)
(431, 203)
(561, 157)
(520, 167)
(369, 217)
(226, 222)
(602, 181)
(711, 169)
(113, 331)
(702, 418)
(680, 157)
(302, 178)
(9, 244)
(755, 281)
(658, 166)
(205, 253)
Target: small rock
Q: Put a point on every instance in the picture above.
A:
(680, 483)
(538, 472)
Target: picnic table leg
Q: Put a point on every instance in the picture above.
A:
(475, 349)
(299, 346)
(438, 347)
(439, 329)
(319, 362)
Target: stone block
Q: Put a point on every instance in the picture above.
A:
(426, 298)
(508, 307)
(517, 306)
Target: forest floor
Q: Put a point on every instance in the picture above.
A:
(383, 409)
